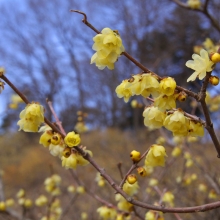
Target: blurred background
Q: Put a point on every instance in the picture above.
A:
(46, 51)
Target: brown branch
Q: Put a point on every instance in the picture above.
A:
(204, 11)
(192, 209)
(132, 59)
(58, 122)
(23, 97)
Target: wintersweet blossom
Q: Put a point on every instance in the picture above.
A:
(122, 91)
(31, 117)
(41, 200)
(156, 156)
(109, 47)
(177, 123)
(196, 129)
(164, 102)
(72, 139)
(194, 4)
(168, 197)
(143, 84)
(107, 213)
(153, 117)
(201, 64)
(167, 86)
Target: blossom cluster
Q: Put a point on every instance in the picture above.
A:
(109, 47)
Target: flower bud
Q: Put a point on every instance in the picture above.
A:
(132, 178)
(141, 171)
(215, 57)
(2, 206)
(182, 96)
(135, 155)
(214, 80)
(55, 140)
(67, 152)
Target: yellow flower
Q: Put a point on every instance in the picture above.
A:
(122, 91)
(209, 45)
(196, 129)
(201, 64)
(80, 189)
(45, 138)
(168, 197)
(167, 86)
(212, 194)
(156, 156)
(130, 189)
(107, 213)
(194, 4)
(71, 189)
(176, 151)
(123, 204)
(143, 84)
(57, 150)
(164, 102)
(72, 139)
(2, 206)
(31, 117)
(28, 203)
(109, 47)
(70, 162)
(152, 215)
(9, 202)
(15, 100)
(153, 182)
(41, 200)
(177, 123)
(202, 187)
(153, 117)
(21, 193)
(80, 127)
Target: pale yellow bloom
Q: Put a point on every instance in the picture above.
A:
(80, 189)
(209, 45)
(156, 156)
(196, 129)
(56, 150)
(168, 197)
(107, 213)
(122, 91)
(72, 139)
(202, 187)
(176, 151)
(123, 204)
(212, 194)
(21, 193)
(189, 163)
(2, 206)
(177, 123)
(160, 140)
(153, 117)
(143, 84)
(2, 71)
(130, 189)
(71, 189)
(164, 102)
(153, 182)
(9, 202)
(28, 203)
(109, 47)
(194, 4)
(167, 86)
(69, 162)
(41, 200)
(201, 64)
(80, 127)
(31, 117)
(45, 138)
